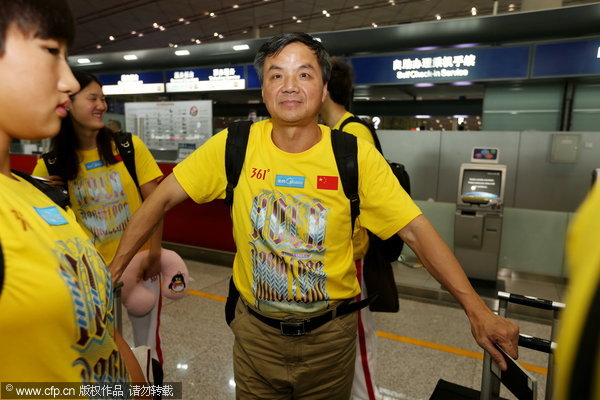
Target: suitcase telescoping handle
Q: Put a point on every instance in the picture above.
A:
(536, 343)
(531, 301)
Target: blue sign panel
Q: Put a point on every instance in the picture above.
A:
(252, 77)
(206, 79)
(448, 66)
(132, 83)
(572, 58)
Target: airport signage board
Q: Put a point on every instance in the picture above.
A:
(567, 59)
(252, 77)
(132, 83)
(206, 79)
(448, 66)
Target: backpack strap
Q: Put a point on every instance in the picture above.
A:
(357, 120)
(235, 153)
(50, 159)
(345, 150)
(124, 144)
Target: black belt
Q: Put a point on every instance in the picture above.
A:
(299, 327)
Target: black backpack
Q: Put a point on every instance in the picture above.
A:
(378, 273)
(392, 247)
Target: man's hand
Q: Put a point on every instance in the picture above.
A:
(150, 267)
(489, 329)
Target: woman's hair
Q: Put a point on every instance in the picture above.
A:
(64, 145)
(45, 19)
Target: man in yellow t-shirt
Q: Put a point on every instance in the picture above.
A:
(56, 295)
(334, 113)
(578, 350)
(295, 332)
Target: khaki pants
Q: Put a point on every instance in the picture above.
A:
(268, 365)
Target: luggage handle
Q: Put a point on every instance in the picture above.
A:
(531, 301)
(536, 343)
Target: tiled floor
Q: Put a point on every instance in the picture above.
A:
(197, 342)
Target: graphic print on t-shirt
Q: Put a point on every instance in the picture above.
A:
(103, 206)
(287, 250)
(88, 280)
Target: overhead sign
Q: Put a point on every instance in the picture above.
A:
(134, 83)
(206, 79)
(448, 66)
(568, 58)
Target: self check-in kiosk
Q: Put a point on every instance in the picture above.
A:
(478, 219)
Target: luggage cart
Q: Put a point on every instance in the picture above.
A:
(522, 384)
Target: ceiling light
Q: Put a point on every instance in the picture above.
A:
(422, 116)
(182, 53)
(356, 6)
(140, 34)
(133, 32)
(324, 11)
(198, 41)
(221, 36)
(162, 28)
(270, 25)
(328, 15)
(299, 21)
(175, 45)
(181, 19)
(473, 11)
(155, 25)
(424, 84)
(170, 44)
(374, 24)
(187, 22)
(83, 60)
(130, 57)
(111, 37)
(438, 16)
(216, 34)
(212, 15)
(240, 47)
(98, 46)
(294, 18)
(235, 6)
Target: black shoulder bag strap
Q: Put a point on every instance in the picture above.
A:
(235, 153)
(345, 150)
(354, 118)
(1, 269)
(124, 144)
(57, 194)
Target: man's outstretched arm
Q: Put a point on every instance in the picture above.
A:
(144, 221)
(487, 328)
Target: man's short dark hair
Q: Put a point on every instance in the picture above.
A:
(340, 82)
(45, 19)
(277, 43)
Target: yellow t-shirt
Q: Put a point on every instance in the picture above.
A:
(360, 240)
(56, 304)
(105, 197)
(292, 220)
(578, 325)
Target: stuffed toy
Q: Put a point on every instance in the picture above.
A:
(174, 276)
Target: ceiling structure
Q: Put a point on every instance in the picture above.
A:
(154, 29)
(122, 25)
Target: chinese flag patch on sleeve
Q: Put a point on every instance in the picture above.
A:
(327, 182)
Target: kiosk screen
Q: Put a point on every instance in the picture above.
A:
(480, 185)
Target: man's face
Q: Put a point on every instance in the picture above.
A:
(35, 83)
(293, 88)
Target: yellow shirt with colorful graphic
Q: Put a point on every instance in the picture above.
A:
(105, 197)
(577, 361)
(292, 220)
(56, 302)
(360, 240)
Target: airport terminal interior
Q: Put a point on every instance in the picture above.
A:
(492, 106)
